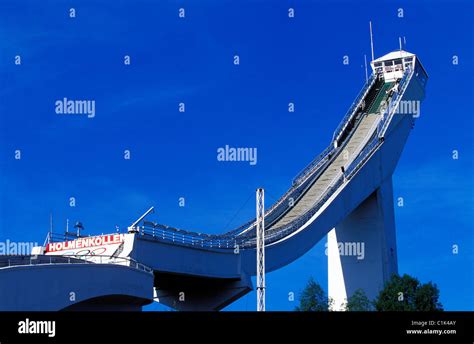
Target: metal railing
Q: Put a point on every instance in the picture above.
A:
(355, 104)
(362, 157)
(199, 240)
(57, 237)
(219, 242)
(353, 168)
(294, 190)
(281, 232)
(230, 240)
(317, 163)
(395, 101)
(12, 261)
(319, 160)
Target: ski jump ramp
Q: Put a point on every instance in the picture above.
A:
(345, 193)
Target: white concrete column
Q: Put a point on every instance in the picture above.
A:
(362, 250)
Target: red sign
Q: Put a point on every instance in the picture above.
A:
(86, 242)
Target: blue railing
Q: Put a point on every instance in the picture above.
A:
(388, 114)
(313, 165)
(320, 159)
(363, 156)
(57, 237)
(220, 242)
(230, 241)
(12, 261)
(350, 113)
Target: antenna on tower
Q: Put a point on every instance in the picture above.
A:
(400, 43)
(371, 40)
(79, 227)
(51, 222)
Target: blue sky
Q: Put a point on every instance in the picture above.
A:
(173, 154)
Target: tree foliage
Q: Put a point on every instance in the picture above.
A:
(406, 293)
(313, 298)
(400, 293)
(358, 302)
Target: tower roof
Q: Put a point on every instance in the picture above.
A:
(397, 54)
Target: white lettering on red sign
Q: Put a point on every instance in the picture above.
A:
(85, 242)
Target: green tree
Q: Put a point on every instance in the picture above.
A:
(406, 293)
(358, 302)
(313, 298)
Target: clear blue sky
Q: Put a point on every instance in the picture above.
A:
(173, 154)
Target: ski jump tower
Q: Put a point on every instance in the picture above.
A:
(371, 225)
(345, 193)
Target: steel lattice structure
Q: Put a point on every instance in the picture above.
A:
(260, 224)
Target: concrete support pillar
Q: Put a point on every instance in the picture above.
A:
(362, 250)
